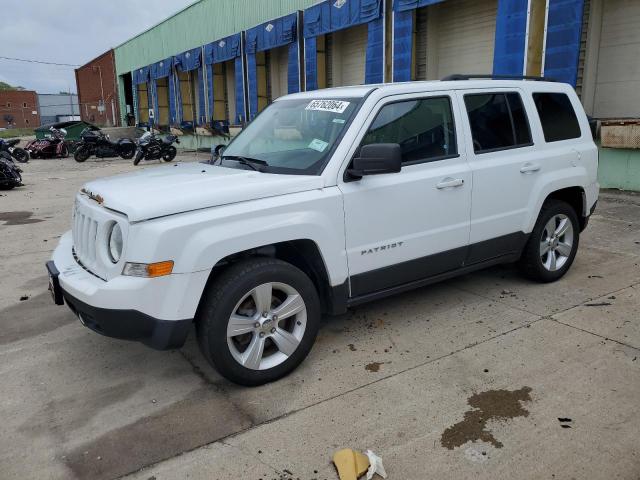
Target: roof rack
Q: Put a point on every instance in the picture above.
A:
(460, 76)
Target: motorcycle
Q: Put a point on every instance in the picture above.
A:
(98, 144)
(51, 147)
(9, 146)
(9, 172)
(152, 147)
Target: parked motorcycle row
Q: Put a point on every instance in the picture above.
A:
(149, 146)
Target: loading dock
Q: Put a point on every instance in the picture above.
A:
(273, 61)
(225, 79)
(344, 43)
(436, 38)
(163, 86)
(142, 98)
(190, 94)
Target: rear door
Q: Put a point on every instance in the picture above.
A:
(505, 165)
(406, 226)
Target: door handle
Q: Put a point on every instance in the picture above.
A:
(529, 168)
(450, 183)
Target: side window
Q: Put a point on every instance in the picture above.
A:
(498, 121)
(424, 129)
(558, 119)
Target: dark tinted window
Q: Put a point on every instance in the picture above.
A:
(423, 128)
(559, 121)
(498, 121)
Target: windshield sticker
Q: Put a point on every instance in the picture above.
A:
(318, 145)
(334, 106)
(339, 120)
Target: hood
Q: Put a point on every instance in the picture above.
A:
(183, 187)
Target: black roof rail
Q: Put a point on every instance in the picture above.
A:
(460, 76)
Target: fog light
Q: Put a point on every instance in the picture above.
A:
(149, 270)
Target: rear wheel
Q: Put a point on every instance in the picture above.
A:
(258, 321)
(82, 153)
(127, 151)
(553, 244)
(20, 154)
(169, 154)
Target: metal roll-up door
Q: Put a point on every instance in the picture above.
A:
(348, 53)
(465, 36)
(617, 92)
(279, 66)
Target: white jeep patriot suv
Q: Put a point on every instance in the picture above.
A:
(329, 199)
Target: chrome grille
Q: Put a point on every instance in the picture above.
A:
(85, 230)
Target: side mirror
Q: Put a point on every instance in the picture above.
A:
(376, 159)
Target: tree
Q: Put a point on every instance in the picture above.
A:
(5, 86)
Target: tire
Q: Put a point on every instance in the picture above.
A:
(139, 155)
(21, 155)
(547, 257)
(128, 151)
(286, 341)
(7, 186)
(64, 152)
(169, 154)
(82, 153)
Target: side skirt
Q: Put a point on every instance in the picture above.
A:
(423, 271)
(351, 302)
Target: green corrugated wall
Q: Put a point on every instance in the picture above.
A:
(198, 24)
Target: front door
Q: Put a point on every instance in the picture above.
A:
(406, 226)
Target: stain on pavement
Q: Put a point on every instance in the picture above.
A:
(64, 415)
(18, 218)
(28, 319)
(489, 405)
(199, 419)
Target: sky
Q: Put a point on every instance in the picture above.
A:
(69, 31)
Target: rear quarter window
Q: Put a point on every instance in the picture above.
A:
(557, 116)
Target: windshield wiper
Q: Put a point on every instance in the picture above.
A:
(249, 162)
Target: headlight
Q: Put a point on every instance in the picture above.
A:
(115, 243)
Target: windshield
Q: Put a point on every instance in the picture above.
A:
(292, 136)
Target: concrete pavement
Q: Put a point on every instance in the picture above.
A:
(401, 376)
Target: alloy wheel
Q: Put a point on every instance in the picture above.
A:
(266, 326)
(556, 243)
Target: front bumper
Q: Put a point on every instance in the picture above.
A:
(157, 312)
(131, 325)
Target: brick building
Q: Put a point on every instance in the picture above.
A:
(97, 91)
(19, 109)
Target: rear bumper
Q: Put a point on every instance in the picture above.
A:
(130, 325)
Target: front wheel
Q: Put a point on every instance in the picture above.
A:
(259, 321)
(139, 156)
(20, 154)
(169, 154)
(82, 153)
(553, 244)
(64, 151)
